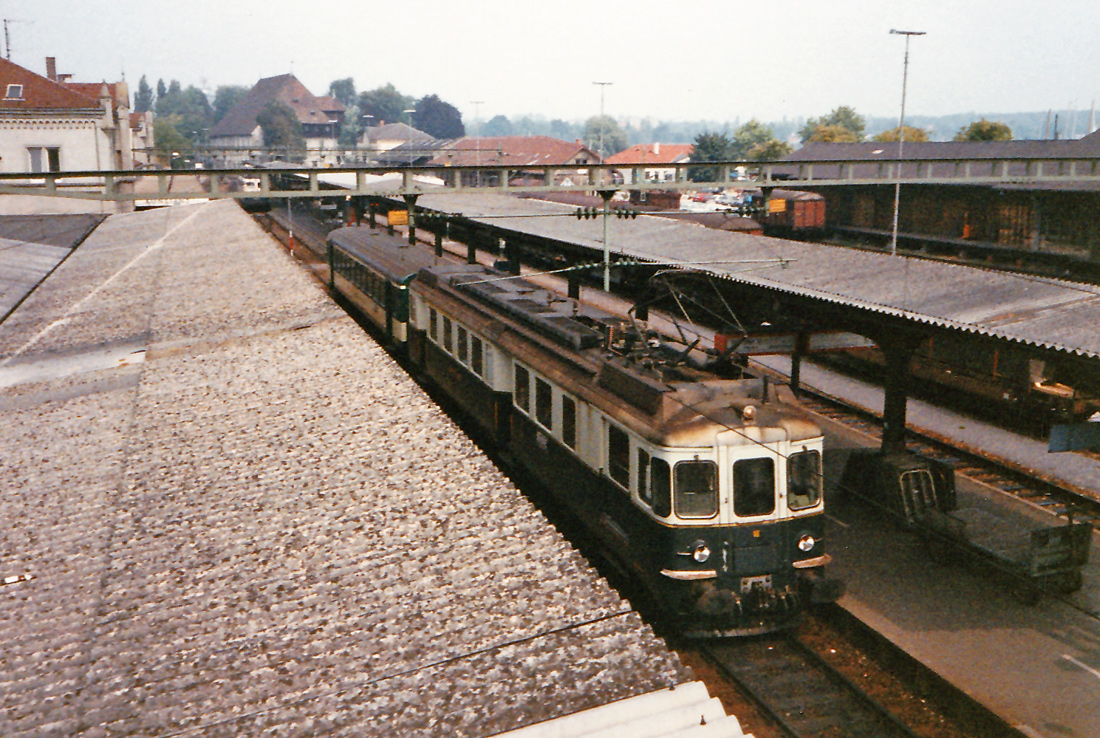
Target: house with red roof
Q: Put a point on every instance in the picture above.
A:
(242, 137)
(50, 124)
(651, 161)
(520, 156)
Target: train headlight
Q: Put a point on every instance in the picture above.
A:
(700, 552)
(806, 543)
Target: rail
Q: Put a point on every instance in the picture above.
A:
(298, 182)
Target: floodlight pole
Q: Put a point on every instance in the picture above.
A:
(603, 86)
(901, 135)
(477, 138)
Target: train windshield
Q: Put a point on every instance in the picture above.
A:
(803, 480)
(753, 487)
(696, 489)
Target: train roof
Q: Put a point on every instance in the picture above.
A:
(670, 402)
(391, 255)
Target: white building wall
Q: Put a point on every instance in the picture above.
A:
(82, 144)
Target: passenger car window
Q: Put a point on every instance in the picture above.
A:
(476, 356)
(568, 421)
(522, 390)
(696, 489)
(803, 480)
(753, 487)
(618, 455)
(544, 404)
(462, 347)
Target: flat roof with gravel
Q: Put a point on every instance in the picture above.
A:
(228, 512)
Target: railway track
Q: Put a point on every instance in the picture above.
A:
(834, 676)
(802, 694)
(1008, 479)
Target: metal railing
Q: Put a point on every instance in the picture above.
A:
(297, 181)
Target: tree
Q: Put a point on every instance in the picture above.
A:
(752, 134)
(911, 134)
(189, 109)
(438, 118)
(603, 135)
(161, 89)
(143, 99)
(842, 117)
(560, 129)
(498, 125)
(281, 128)
(834, 134)
(771, 150)
(351, 129)
(709, 147)
(226, 98)
(344, 91)
(171, 145)
(384, 105)
(984, 130)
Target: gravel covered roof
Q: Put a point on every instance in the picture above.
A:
(254, 522)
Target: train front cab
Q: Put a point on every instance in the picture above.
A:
(719, 563)
(743, 538)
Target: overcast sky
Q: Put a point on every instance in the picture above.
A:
(717, 60)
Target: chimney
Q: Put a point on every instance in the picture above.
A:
(51, 68)
(656, 148)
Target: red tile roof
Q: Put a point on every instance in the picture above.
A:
(652, 153)
(514, 152)
(41, 93)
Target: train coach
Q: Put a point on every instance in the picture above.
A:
(703, 483)
(373, 271)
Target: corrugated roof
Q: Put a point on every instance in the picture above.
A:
(684, 711)
(947, 150)
(31, 246)
(1048, 313)
(938, 160)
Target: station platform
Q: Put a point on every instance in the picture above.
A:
(1036, 666)
(229, 512)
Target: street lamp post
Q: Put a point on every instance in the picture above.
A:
(901, 135)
